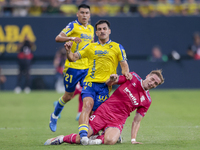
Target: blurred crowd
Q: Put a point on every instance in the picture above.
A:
(145, 8)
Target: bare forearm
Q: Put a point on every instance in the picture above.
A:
(71, 56)
(125, 67)
(135, 128)
(135, 125)
(61, 39)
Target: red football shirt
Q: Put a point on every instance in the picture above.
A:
(130, 95)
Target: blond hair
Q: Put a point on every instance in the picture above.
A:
(158, 72)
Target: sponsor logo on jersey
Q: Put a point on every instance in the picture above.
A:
(131, 97)
(101, 52)
(85, 36)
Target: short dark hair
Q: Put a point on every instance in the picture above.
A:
(83, 6)
(101, 22)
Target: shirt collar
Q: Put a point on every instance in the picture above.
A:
(109, 41)
(142, 85)
(78, 22)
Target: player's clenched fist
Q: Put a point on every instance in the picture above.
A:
(113, 77)
(68, 46)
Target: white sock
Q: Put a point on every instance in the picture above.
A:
(61, 139)
(54, 117)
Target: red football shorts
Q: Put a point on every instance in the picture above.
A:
(98, 123)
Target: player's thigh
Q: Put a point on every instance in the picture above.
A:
(88, 95)
(111, 135)
(102, 94)
(88, 103)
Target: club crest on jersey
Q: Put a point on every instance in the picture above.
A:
(111, 46)
(102, 98)
(131, 97)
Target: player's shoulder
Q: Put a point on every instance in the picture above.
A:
(90, 26)
(71, 24)
(148, 97)
(134, 74)
(114, 43)
(94, 43)
(117, 45)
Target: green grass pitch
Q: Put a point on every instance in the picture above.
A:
(172, 122)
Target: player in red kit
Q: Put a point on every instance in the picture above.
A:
(111, 115)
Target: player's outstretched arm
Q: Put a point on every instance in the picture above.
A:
(112, 80)
(125, 70)
(61, 37)
(135, 128)
(70, 56)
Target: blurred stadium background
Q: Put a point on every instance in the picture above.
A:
(138, 25)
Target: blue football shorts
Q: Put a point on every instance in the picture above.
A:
(72, 77)
(98, 91)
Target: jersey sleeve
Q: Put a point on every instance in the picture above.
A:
(84, 52)
(122, 53)
(68, 30)
(143, 110)
(121, 79)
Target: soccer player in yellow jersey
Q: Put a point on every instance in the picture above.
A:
(103, 57)
(80, 33)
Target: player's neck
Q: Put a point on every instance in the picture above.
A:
(85, 25)
(103, 41)
(142, 83)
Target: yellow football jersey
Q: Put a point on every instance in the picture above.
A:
(102, 59)
(76, 29)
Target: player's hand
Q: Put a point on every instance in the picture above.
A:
(134, 142)
(76, 39)
(128, 76)
(68, 46)
(113, 77)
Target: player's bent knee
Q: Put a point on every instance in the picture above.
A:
(109, 141)
(111, 135)
(67, 96)
(88, 104)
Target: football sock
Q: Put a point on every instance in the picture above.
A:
(70, 138)
(83, 130)
(60, 105)
(101, 137)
